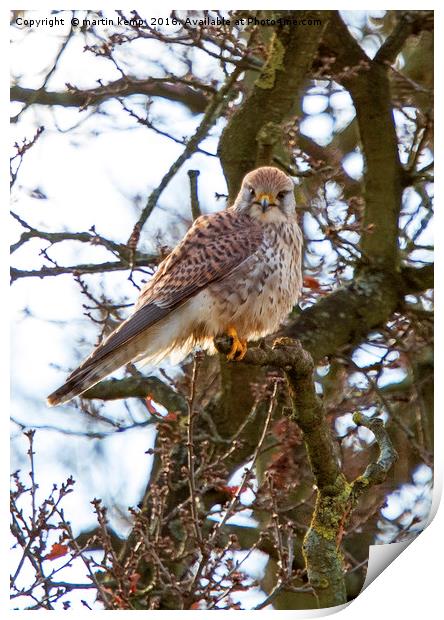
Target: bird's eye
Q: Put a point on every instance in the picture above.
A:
(251, 190)
(281, 195)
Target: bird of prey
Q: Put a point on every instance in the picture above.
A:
(236, 272)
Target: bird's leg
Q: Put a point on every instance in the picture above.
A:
(238, 346)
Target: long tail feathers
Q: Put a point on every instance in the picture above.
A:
(85, 377)
(171, 335)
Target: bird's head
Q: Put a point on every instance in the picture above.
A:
(267, 194)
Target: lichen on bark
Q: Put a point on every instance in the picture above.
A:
(275, 62)
(273, 96)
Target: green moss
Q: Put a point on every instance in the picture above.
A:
(357, 417)
(327, 532)
(330, 508)
(275, 62)
(269, 134)
(323, 559)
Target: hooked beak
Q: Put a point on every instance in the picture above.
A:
(264, 201)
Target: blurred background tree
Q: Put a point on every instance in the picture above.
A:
(110, 112)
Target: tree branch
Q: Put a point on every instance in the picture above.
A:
(189, 96)
(57, 237)
(336, 497)
(410, 22)
(368, 84)
(376, 472)
(355, 309)
(138, 387)
(195, 207)
(213, 110)
(272, 98)
(419, 279)
(44, 272)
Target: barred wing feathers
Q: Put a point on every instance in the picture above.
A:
(212, 248)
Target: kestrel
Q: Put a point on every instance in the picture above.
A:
(236, 272)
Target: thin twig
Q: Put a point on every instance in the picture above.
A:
(190, 447)
(214, 110)
(247, 473)
(195, 207)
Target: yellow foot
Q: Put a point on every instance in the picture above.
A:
(238, 347)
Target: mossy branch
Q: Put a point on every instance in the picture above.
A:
(355, 309)
(376, 472)
(273, 96)
(336, 497)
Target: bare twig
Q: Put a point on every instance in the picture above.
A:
(195, 207)
(21, 150)
(190, 447)
(215, 108)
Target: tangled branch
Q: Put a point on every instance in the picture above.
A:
(336, 497)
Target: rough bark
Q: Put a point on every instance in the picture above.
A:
(336, 497)
(272, 98)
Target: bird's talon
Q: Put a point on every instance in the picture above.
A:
(238, 347)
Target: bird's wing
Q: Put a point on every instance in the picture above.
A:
(212, 248)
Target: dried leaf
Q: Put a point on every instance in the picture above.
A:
(57, 551)
(310, 282)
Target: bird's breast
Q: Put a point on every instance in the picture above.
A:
(260, 293)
